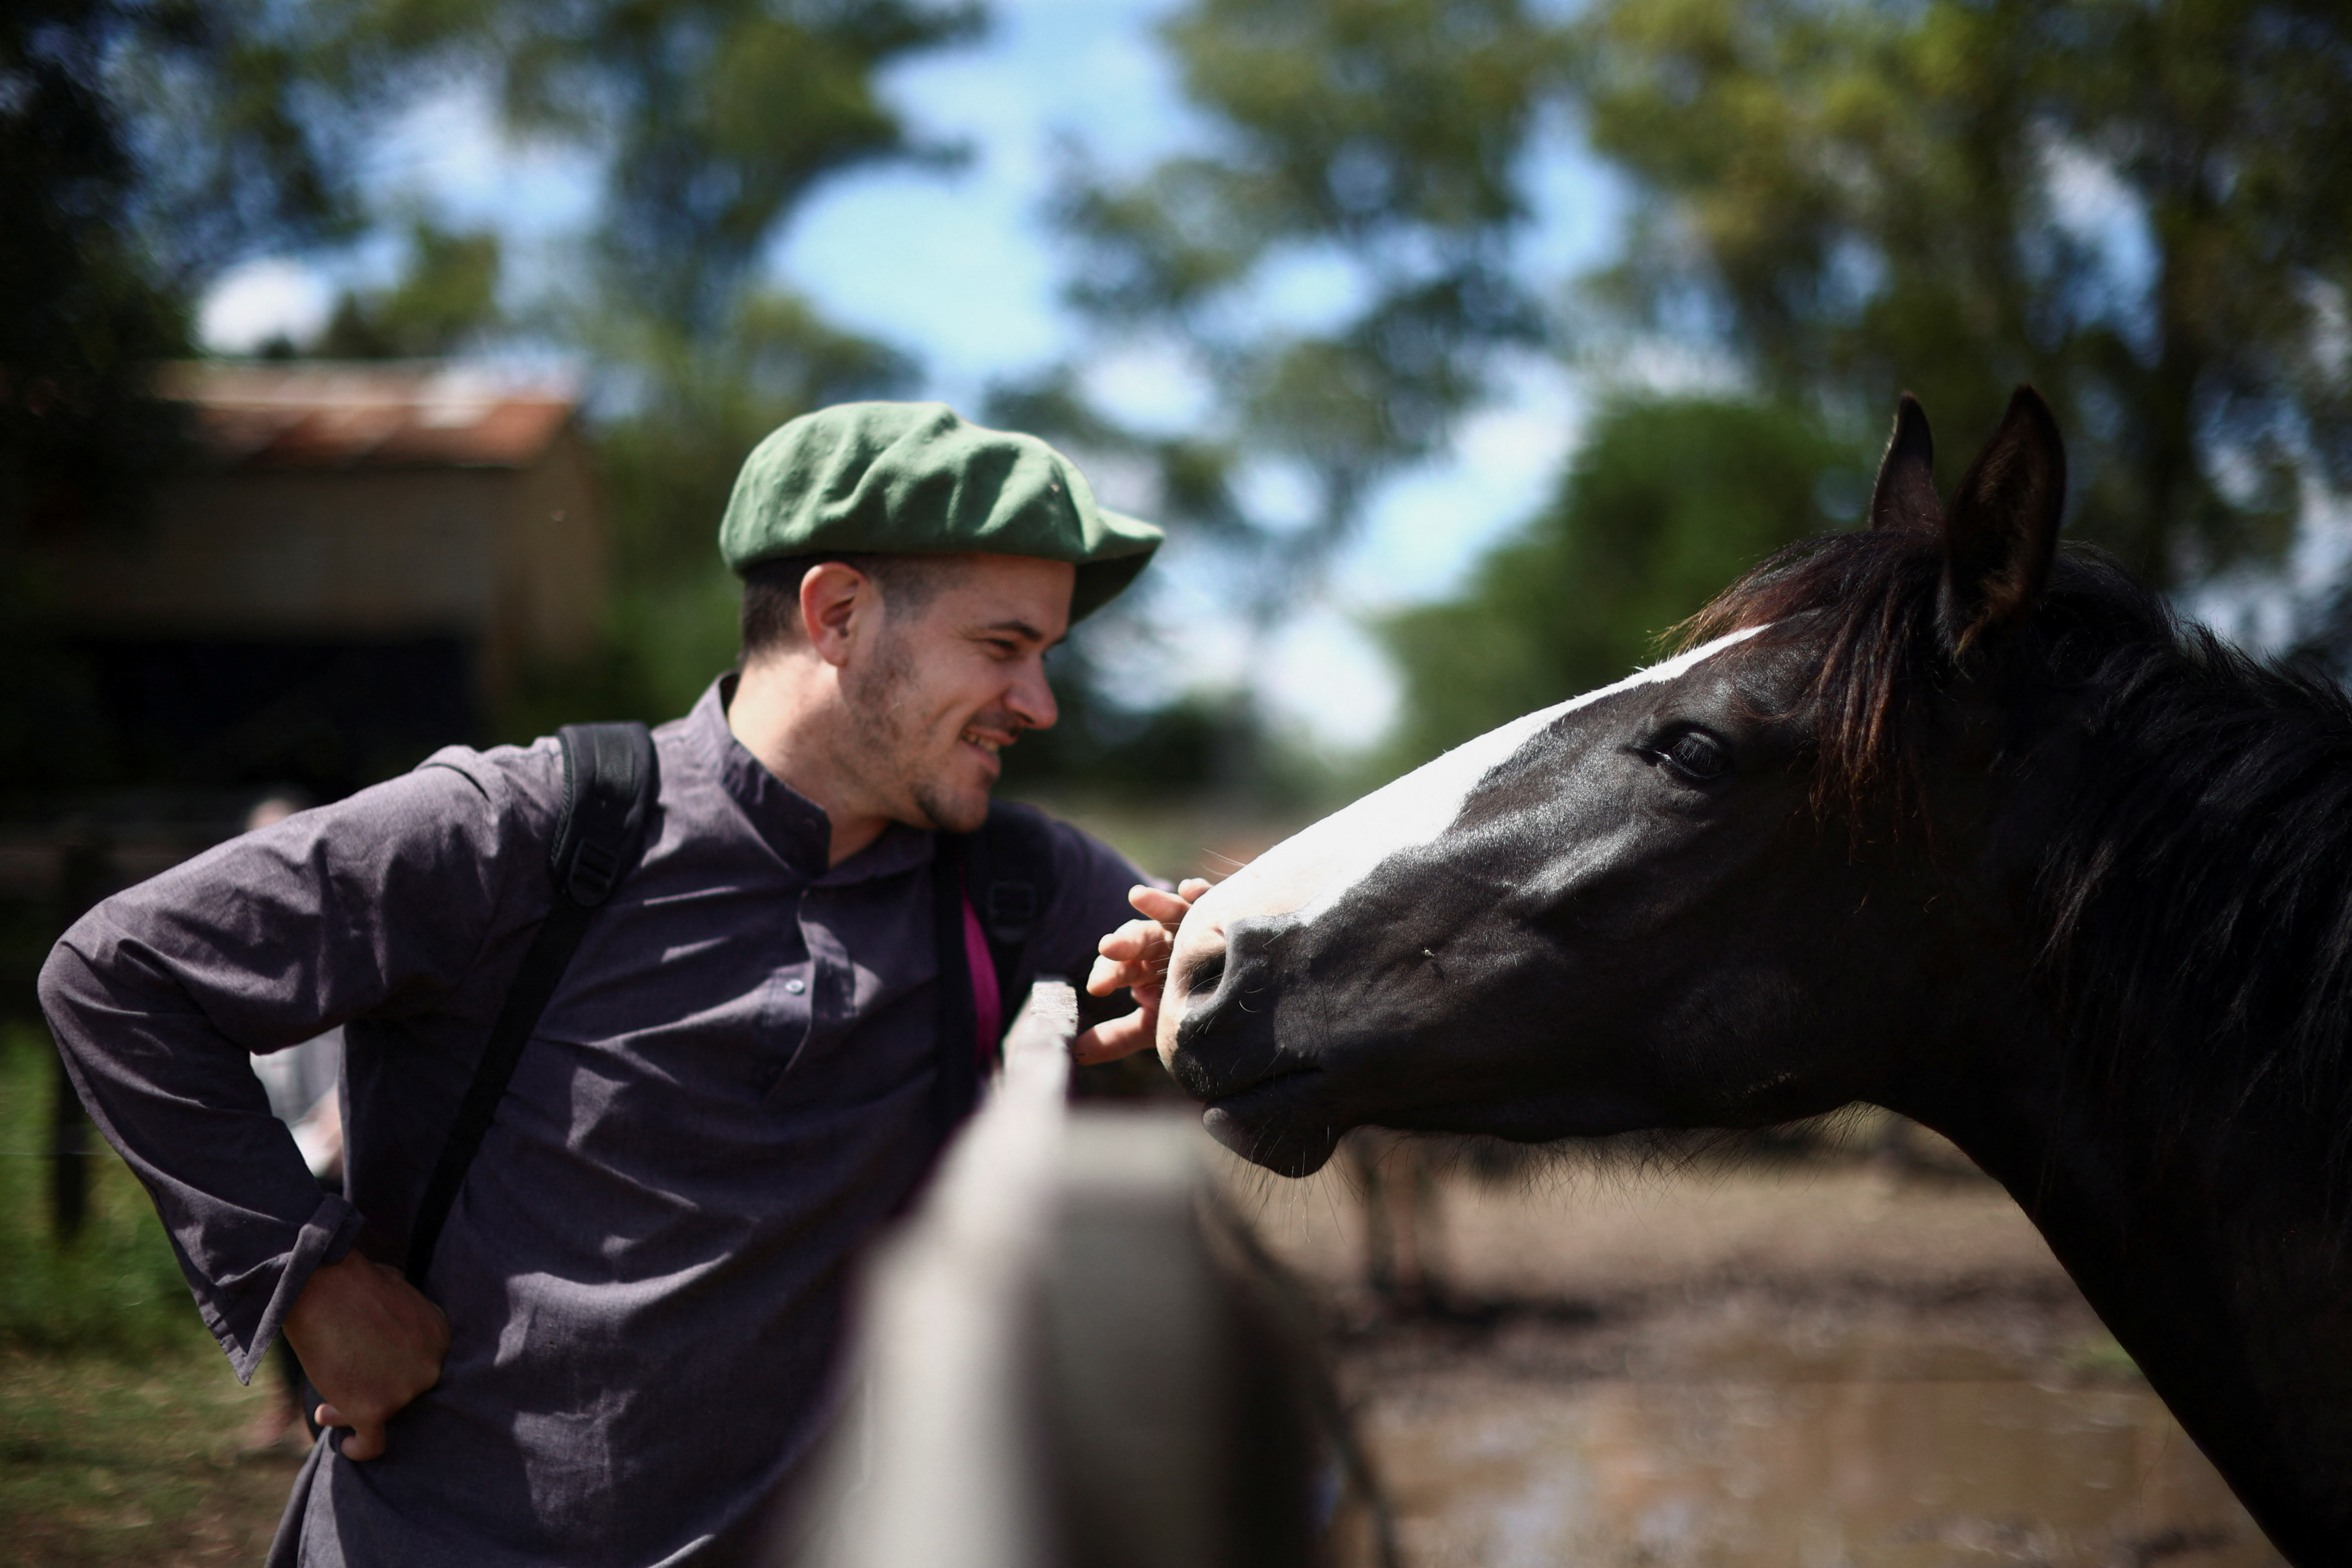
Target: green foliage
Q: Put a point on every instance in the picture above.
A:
(717, 117)
(446, 299)
(1667, 502)
(1853, 199)
(1385, 124)
(240, 122)
(1377, 144)
(1381, 138)
(712, 119)
(115, 1288)
(2143, 209)
(79, 437)
(1836, 198)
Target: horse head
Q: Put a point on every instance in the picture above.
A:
(1699, 897)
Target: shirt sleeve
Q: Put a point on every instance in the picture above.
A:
(377, 904)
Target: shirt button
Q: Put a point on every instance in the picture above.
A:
(795, 986)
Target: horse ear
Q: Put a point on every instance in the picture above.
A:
(1905, 495)
(2001, 533)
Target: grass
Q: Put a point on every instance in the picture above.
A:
(120, 1419)
(116, 1288)
(106, 1462)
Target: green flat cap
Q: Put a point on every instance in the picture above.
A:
(916, 479)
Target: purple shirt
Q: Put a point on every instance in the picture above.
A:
(728, 1094)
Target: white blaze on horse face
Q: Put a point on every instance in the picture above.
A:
(1307, 873)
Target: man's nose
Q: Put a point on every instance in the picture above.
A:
(1032, 698)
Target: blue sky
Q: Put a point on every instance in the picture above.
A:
(960, 267)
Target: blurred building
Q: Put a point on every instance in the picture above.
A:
(361, 568)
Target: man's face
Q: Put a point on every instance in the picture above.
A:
(940, 693)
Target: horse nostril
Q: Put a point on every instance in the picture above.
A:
(1213, 967)
(1204, 972)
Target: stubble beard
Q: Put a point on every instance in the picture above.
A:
(887, 742)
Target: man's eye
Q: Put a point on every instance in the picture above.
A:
(1696, 755)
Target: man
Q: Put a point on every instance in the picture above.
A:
(620, 1350)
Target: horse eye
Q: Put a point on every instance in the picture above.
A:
(1696, 755)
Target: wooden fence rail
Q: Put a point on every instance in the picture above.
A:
(1071, 1355)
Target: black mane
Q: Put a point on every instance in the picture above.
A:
(2193, 888)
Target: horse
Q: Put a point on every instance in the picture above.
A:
(1940, 814)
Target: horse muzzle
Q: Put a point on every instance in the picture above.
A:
(1220, 1039)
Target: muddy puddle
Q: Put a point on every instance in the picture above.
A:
(1504, 1471)
(1817, 1366)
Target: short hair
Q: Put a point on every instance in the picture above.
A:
(771, 591)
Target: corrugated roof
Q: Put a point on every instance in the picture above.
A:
(329, 415)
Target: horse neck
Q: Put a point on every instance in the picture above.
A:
(2211, 1265)
(2178, 849)
(2162, 1089)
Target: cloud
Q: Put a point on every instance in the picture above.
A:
(1328, 681)
(963, 267)
(261, 301)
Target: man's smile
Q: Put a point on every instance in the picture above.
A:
(988, 742)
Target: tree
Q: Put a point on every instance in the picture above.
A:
(446, 299)
(2140, 208)
(720, 117)
(1380, 139)
(1377, 146)
(1851, 199)
(143, 144)
(1666, 501)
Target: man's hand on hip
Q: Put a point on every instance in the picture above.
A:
(370, 1342)
(1135, 956)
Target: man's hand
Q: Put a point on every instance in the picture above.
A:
(1136, 956)
(370, 1342)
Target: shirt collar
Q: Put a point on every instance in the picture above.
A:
(794, 826)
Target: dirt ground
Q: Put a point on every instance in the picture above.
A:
(1718, 1364)
(1826, 1362)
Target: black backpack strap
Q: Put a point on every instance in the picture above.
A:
(957, 1082)
(1011, 881)
(609, 782)
(1006, 870)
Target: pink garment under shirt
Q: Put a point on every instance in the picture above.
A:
(987, 1002)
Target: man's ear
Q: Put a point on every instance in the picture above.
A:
(836, 601)
(2001, 533)
(1905, 495)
